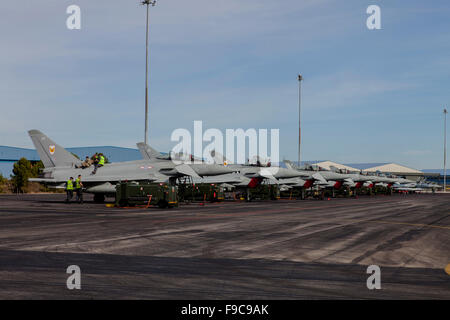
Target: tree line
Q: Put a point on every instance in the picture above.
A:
(18, 182)
(22, 171)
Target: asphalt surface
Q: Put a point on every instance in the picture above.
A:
(263, 250)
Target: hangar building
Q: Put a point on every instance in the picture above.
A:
(390, 168)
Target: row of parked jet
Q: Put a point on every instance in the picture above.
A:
(59, 165)
(314, 176)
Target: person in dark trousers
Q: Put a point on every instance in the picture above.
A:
(100, 163)
(69, 189)
(94, 160)
(79, 189)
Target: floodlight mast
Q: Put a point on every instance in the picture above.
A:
(147, 3)
(445, 149)
(300, 78)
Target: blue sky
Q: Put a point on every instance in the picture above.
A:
(368, 96)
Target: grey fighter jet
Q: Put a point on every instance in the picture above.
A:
(202, 169)
(60, 165)
(241, 176)
(321, 179)
(254, 174)
(324, 178)
(421, 185)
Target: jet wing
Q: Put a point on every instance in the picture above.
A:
(263, 175)
(114, 178)
(54, 184)
(220, 179)
(319, 177)
(186, 170)
(95, 178)
(43, 180)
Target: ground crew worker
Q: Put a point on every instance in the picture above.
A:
(86, 163)
(99, 161)
(79, 189)
(95, 159)
(69, 189)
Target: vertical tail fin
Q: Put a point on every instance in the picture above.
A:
(219, 158)
(290, 165)
(147, 152)
(51, 154)
(334, 169)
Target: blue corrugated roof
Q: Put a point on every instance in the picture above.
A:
(440, 171)
(14, 154)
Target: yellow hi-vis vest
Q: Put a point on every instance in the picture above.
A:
(102, 160)
(78, 184)
(69, 185)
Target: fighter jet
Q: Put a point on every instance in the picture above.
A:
(324, 178)
(321, 179)
(202, 169)
(241, 176)
(393, 182)
(253, 174)
(60, 165)
(420, 185)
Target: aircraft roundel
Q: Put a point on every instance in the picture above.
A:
(225, 163)
(51, 149)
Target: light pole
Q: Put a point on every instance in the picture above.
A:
(148, 3)
(445, 150)
(300, 78)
